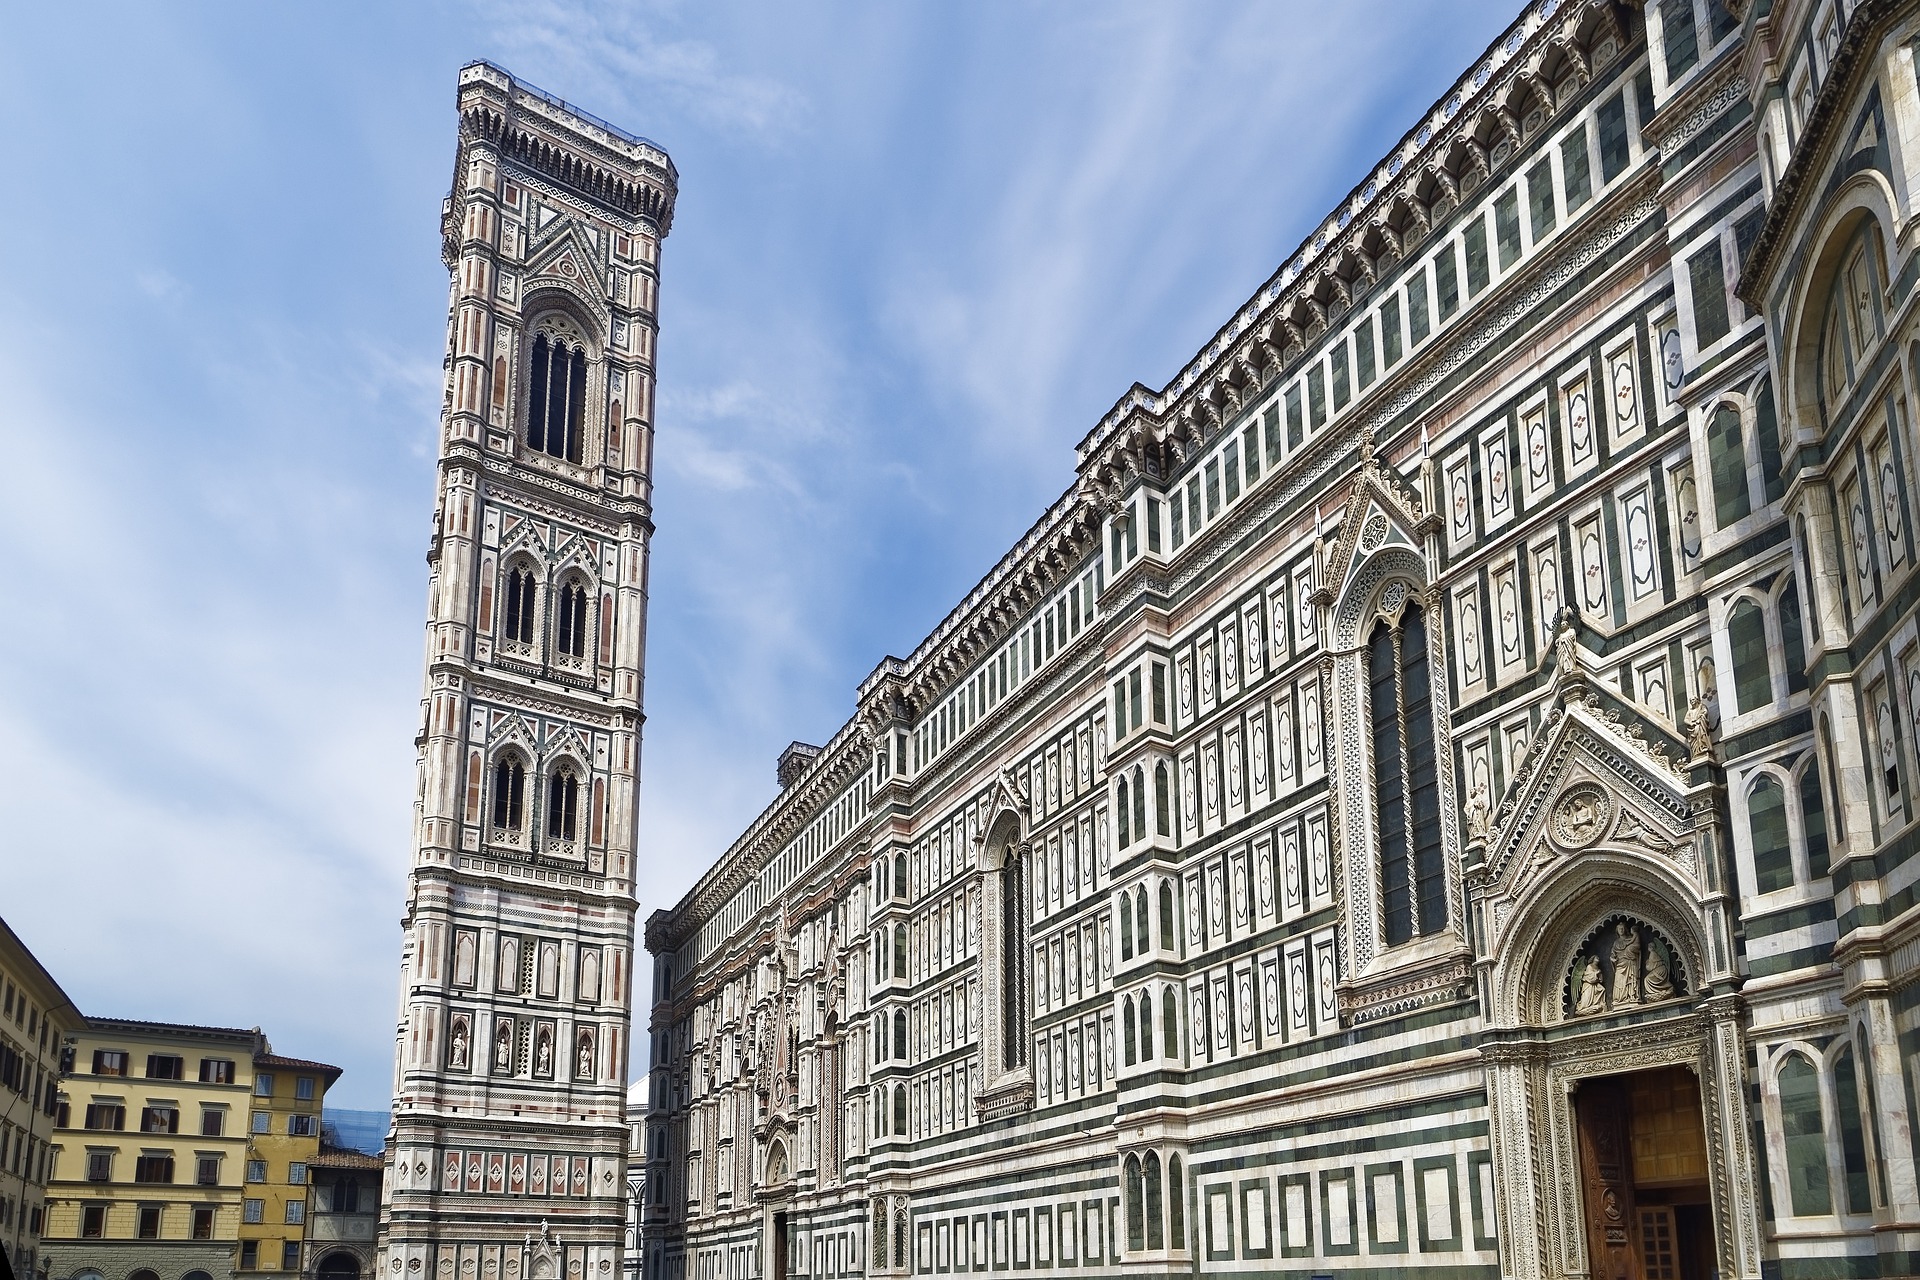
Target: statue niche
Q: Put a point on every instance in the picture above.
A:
(1623, 964)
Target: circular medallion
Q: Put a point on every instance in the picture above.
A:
(1580, 816)
(1374, 533)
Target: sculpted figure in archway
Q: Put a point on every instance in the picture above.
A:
(1626, 966)
(1593, 992)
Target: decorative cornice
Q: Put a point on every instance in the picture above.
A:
(1246, 352)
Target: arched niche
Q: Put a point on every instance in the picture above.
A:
(1006, 1005)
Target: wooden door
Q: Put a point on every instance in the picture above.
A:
(1606, 1179)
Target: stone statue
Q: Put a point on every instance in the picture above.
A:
(1593, 993)
(1699, 736)
(460, 1046)
(584, 1066)
(1479, 813)
(1626, 966)
(543, 1059)
(1659, 980)
(503, 1047)
(1565, 647)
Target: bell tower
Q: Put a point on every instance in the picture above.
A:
(506, 1159)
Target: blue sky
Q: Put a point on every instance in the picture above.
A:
(919, 250)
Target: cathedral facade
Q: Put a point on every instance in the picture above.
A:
(1438, 792)
(507, 1156)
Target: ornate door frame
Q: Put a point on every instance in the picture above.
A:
(1611, 819)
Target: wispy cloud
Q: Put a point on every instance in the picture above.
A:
(919, 250)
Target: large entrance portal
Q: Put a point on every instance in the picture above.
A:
(781, 1247)
(1644, 1177)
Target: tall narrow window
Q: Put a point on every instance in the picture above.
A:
(1767, 826)
(1406, 786)
(1726, 451)
(1139, 801)
(556, 398)
(1130, 1029)
(1752, 671)
(1176, 1206)
(1013, 959)
(1146, 1025)
(1853, 1141)
(1136, 1207)
(1156, 1233)
(900, 1035)
(1126, 928)
(1793, 639)
(1813, 820)
(509, 793)
(1167, 917)
(516, 623)
(570, 621)
(900, 1129)
(1806, 1139)
(1141, 933)
(1170, 1024)
(1122, 810)
(563, 805)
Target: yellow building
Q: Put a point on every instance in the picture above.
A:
(35, 1019)
(151, 1147)
(283, 1140)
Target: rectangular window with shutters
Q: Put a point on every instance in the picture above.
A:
(165, 1066)
(207, 1171)
(99, 1166)
(106, 1115)
(290, 1255)
(297, 1173)
(302, 1126)
(1708, 279)
(153, 1169)
(262, 1122)
(216, 1071)
(1506, 227)
(213, 1121)
(1540, 199)
(256, 1171)
(249, 1255)
(93, 1221)
(203, 1224)
(303, 1088)
(149, 1222)
(160, 1120)
(1612, 118)
(109, 1062)
(263, 1085)
(253, 1211)
(296, 1211)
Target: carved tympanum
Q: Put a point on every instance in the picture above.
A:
(1623, 964)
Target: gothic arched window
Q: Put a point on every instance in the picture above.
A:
(1141, 934)
(557, 397)
(899, 875)
(1126, 925)
(1121, 809)
(1767, 828)
(516, 611)
(570, 621)
(900, 1034)
(1136, 1206)
(1752, 667)
(1162, 788)
(1139, 803)
(900, 1111)
(563, 804)
(1167, 917)
(1413, 880)
(1727, 457)
(1156, 1234)
(1804, 1129)
(1146, 1025)
(509, 793)
(1853, 1141)
(1176, 1205)
(1170, 1024)
(1013, 959)
(1129, 1028)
